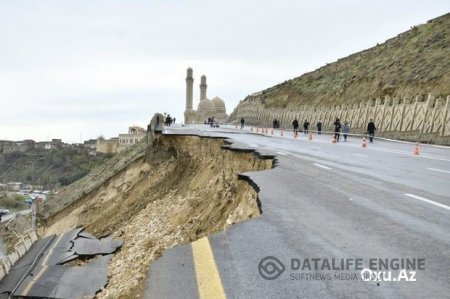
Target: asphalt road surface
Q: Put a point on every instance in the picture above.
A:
(14, 214)
(325, 204)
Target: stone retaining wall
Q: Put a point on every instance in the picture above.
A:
(425, 119)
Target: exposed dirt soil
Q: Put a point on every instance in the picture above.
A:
(194, 190)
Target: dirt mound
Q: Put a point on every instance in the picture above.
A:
(194, 190)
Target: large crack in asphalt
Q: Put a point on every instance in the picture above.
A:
(186, 188)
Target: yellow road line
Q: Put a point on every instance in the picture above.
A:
(35, 278)
(44, 262)
(44, 267)
(208, 278)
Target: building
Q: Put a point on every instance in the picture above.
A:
(214, 108)
(107, 146)
(135, 134)
(124, 141)
(14, 186)
(50, 145)
(16, 146)
(90, 144)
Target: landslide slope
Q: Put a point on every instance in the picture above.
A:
(186, 188)
(415, 62)
(98, 176)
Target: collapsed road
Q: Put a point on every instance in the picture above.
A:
(382, 210)
(186, 188)
(70, 265)
(322, 201)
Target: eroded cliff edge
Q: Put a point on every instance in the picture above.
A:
(187, 187)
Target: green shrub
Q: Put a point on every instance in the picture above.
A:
(12, 202)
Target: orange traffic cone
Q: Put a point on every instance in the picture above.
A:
(364, 144)
(310, 137)
(416, 149)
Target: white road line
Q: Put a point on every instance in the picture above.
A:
(361, 155)
(429, 201)
(439, 170)
(281, 153)
(434, 157)
(322, 166)
(394, 151)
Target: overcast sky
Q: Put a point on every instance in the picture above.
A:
(76, 69)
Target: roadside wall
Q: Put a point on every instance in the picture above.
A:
(425, 119)
(20, 249)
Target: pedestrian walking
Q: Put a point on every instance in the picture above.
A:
(319, 127)
(371, 129)
(242, 123)
(295, 125)
(337, 129)
(305, 127)
(345, 130)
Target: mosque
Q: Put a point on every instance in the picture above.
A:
(206, 108)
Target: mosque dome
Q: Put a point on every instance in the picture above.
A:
(219, 104)
(205, 106)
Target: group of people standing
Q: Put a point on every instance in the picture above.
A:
(306, 125)
(168, 120)
(339, 128)
(295, 124)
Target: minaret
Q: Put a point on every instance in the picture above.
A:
(189, 90)
(203, 87)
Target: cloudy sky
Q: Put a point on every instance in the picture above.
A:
(78, 69)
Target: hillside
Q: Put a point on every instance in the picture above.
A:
(415, 62)
(49, 168)
(97, 177)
